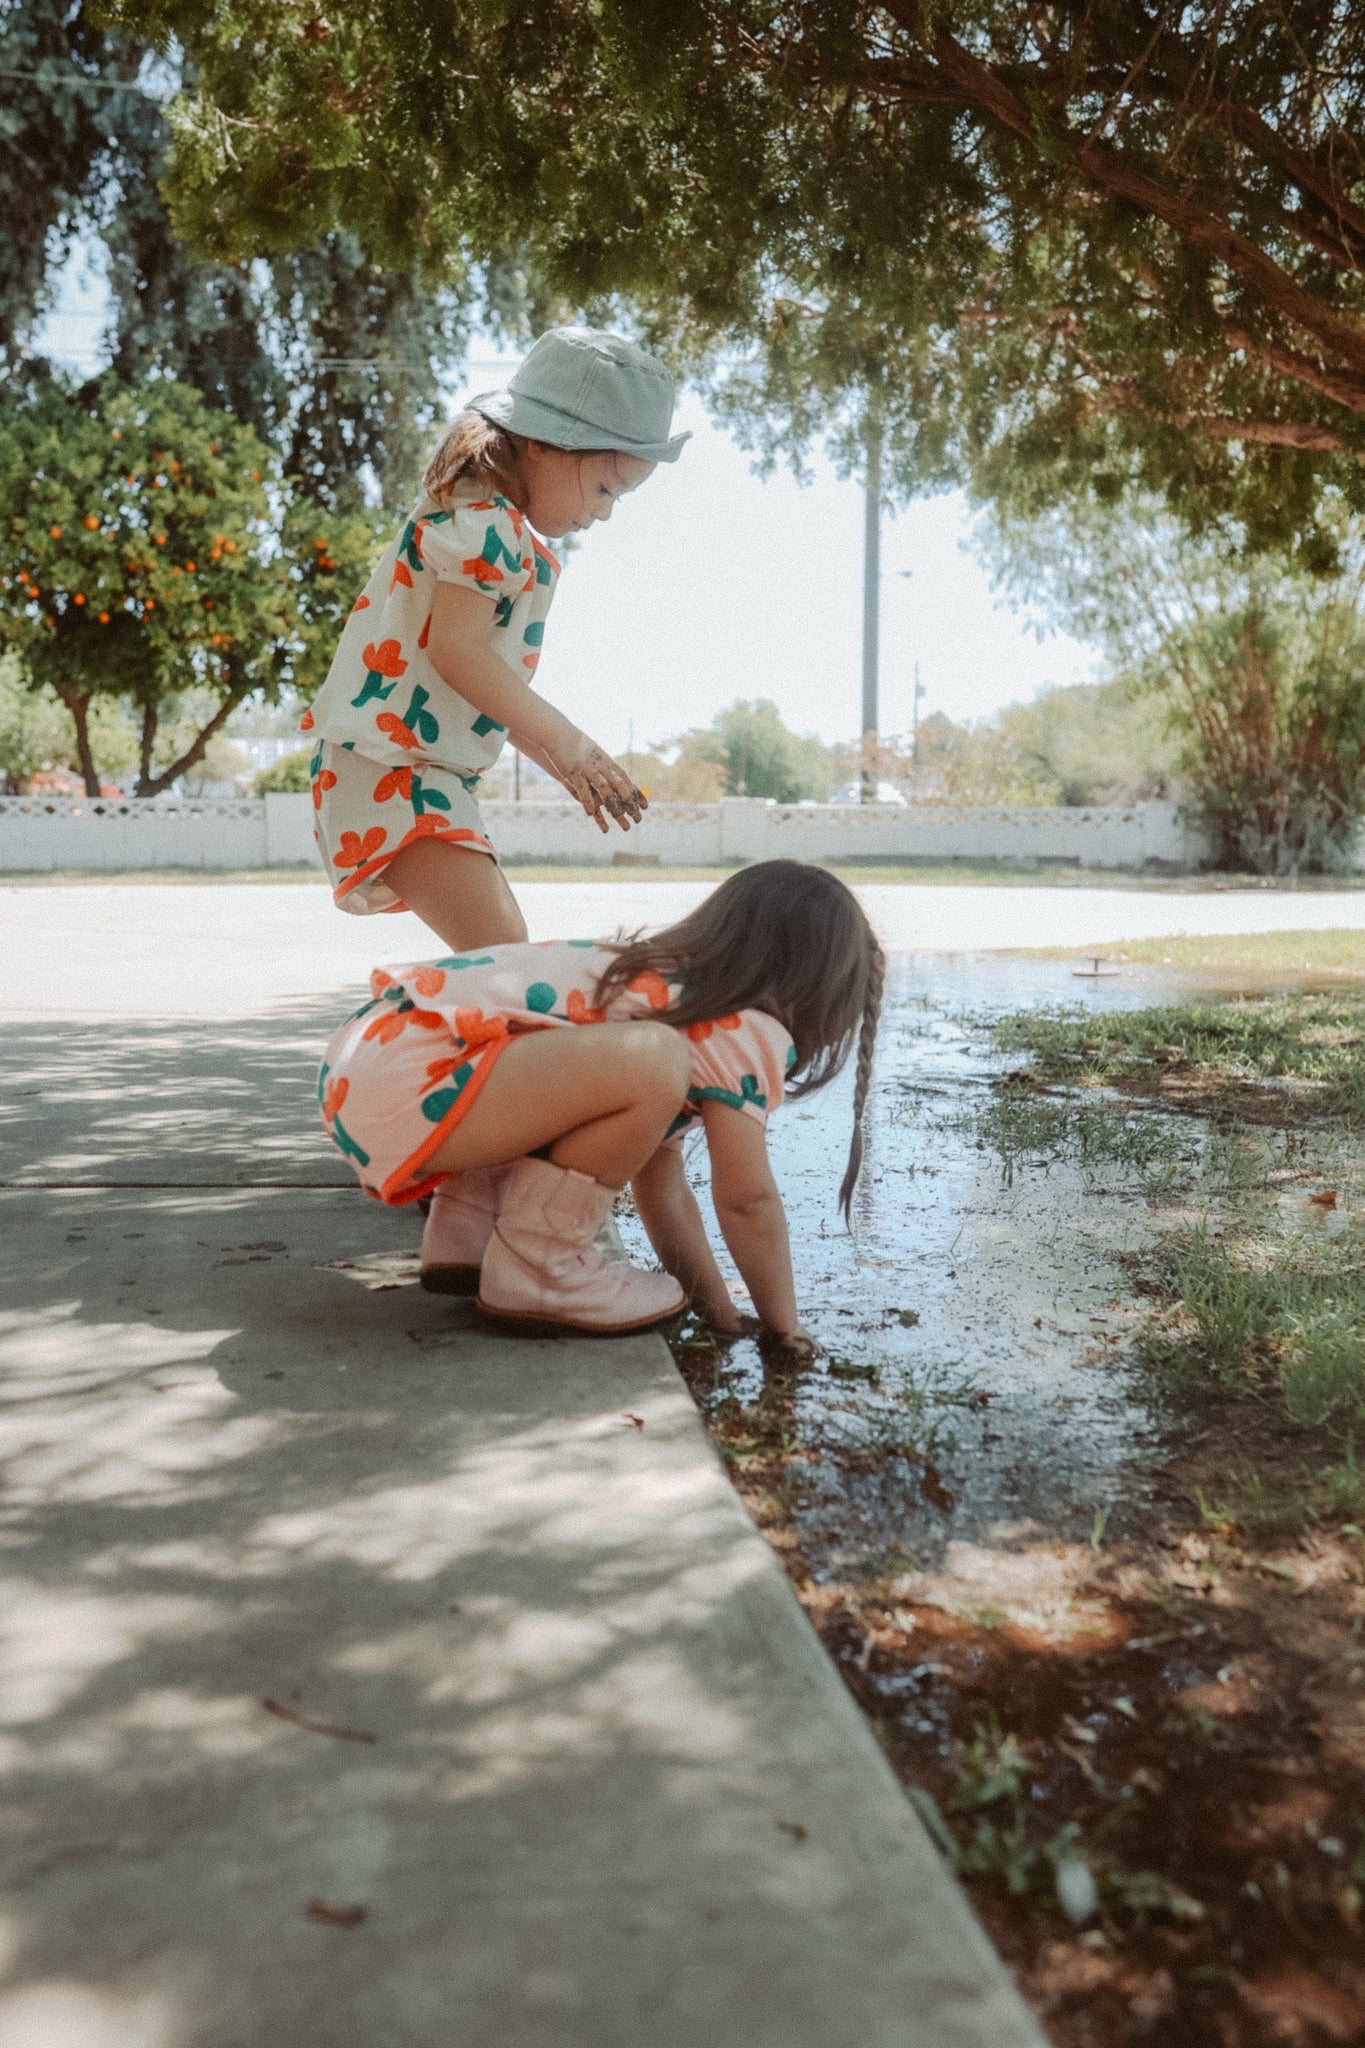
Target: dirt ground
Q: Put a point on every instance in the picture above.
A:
(1112, 1642)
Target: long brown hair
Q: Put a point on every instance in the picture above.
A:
(474, 450)
(788, 939)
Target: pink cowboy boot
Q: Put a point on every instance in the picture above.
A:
(458, 1227)
(542, 1266)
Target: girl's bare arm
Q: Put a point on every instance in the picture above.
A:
(668, 1209)
(751, 1217)
(460, 648)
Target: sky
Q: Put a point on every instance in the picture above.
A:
(712, 583)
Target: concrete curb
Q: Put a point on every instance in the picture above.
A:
(617, 1796)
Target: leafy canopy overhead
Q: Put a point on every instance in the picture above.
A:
(1055, 247)
(330, 354)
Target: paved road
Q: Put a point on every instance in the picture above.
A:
(227, 949)
(560, 1762)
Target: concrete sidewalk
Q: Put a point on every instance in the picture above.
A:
(560, 1762)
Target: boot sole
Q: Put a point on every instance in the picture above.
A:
(534, 1325)
(450, 1279)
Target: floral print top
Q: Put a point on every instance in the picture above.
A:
(382, 697)
(459, 1006)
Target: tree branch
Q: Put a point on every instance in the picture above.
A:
(1340, 385)
(152, 785)
(1103, 167)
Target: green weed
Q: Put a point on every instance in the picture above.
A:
(994, 1766)
(1323, 1367)
(1313, 1039)
(1341, 1488)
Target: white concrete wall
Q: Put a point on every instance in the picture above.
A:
(43, 833)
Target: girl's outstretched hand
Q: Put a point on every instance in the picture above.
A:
(588, 772)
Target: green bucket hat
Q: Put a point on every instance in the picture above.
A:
(581, 388)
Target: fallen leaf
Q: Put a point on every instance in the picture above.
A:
(284, 1713)
(328, 1914)
(1326, 1200)
(638, 1420)
(932, 1487)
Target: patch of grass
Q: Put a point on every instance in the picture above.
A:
(1024, 1128)
(1310, 1047)
(1257, 1509)
(1245, 1312)
(1341, 1488)
(1339, 951)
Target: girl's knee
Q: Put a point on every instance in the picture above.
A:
(665, 1056)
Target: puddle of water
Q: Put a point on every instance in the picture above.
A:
(966, 1396)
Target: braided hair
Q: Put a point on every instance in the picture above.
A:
(787, 938)
(867, 1041)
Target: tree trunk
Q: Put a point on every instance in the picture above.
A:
(77, 703)
(152, 785)
(150, 721)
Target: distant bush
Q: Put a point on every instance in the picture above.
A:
(286, 777)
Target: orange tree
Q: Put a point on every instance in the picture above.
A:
(150, 550)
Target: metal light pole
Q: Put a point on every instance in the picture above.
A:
(872, 602)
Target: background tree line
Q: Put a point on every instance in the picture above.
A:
(1102, 266)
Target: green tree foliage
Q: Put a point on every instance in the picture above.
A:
(290, 775)
(323, 350)
(757, 756)
(141, 559)
(1257, 666)
(1088, 242)
(1088, 743)
(38, 735)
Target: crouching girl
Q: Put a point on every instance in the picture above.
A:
(469, 1078)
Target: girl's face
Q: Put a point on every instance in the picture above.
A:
(564, 492)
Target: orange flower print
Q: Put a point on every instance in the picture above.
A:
(401, 574)
(325, 781)
(580, 1011)
(394, 1019)
(354, 851)
(703, 1030)
(306, 722)
(475, 1029)
(362, 603)
(386, 659)
(388, 1025)
(398, 782)
(481, 571)
(438, 1069)
(425, 634)
(654, 986)
(429, 981)
(530, 661)
(392, 725)
(333, 1096)
(379, 981)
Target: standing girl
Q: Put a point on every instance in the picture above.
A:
(473, 1063)
(434, 668)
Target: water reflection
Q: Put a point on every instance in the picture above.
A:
(968, 1390)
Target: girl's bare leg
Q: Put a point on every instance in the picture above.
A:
(602, 1094)
(459, 892)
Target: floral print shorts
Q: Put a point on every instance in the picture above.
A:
(367, 812)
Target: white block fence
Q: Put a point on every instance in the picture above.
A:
(49, 833)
